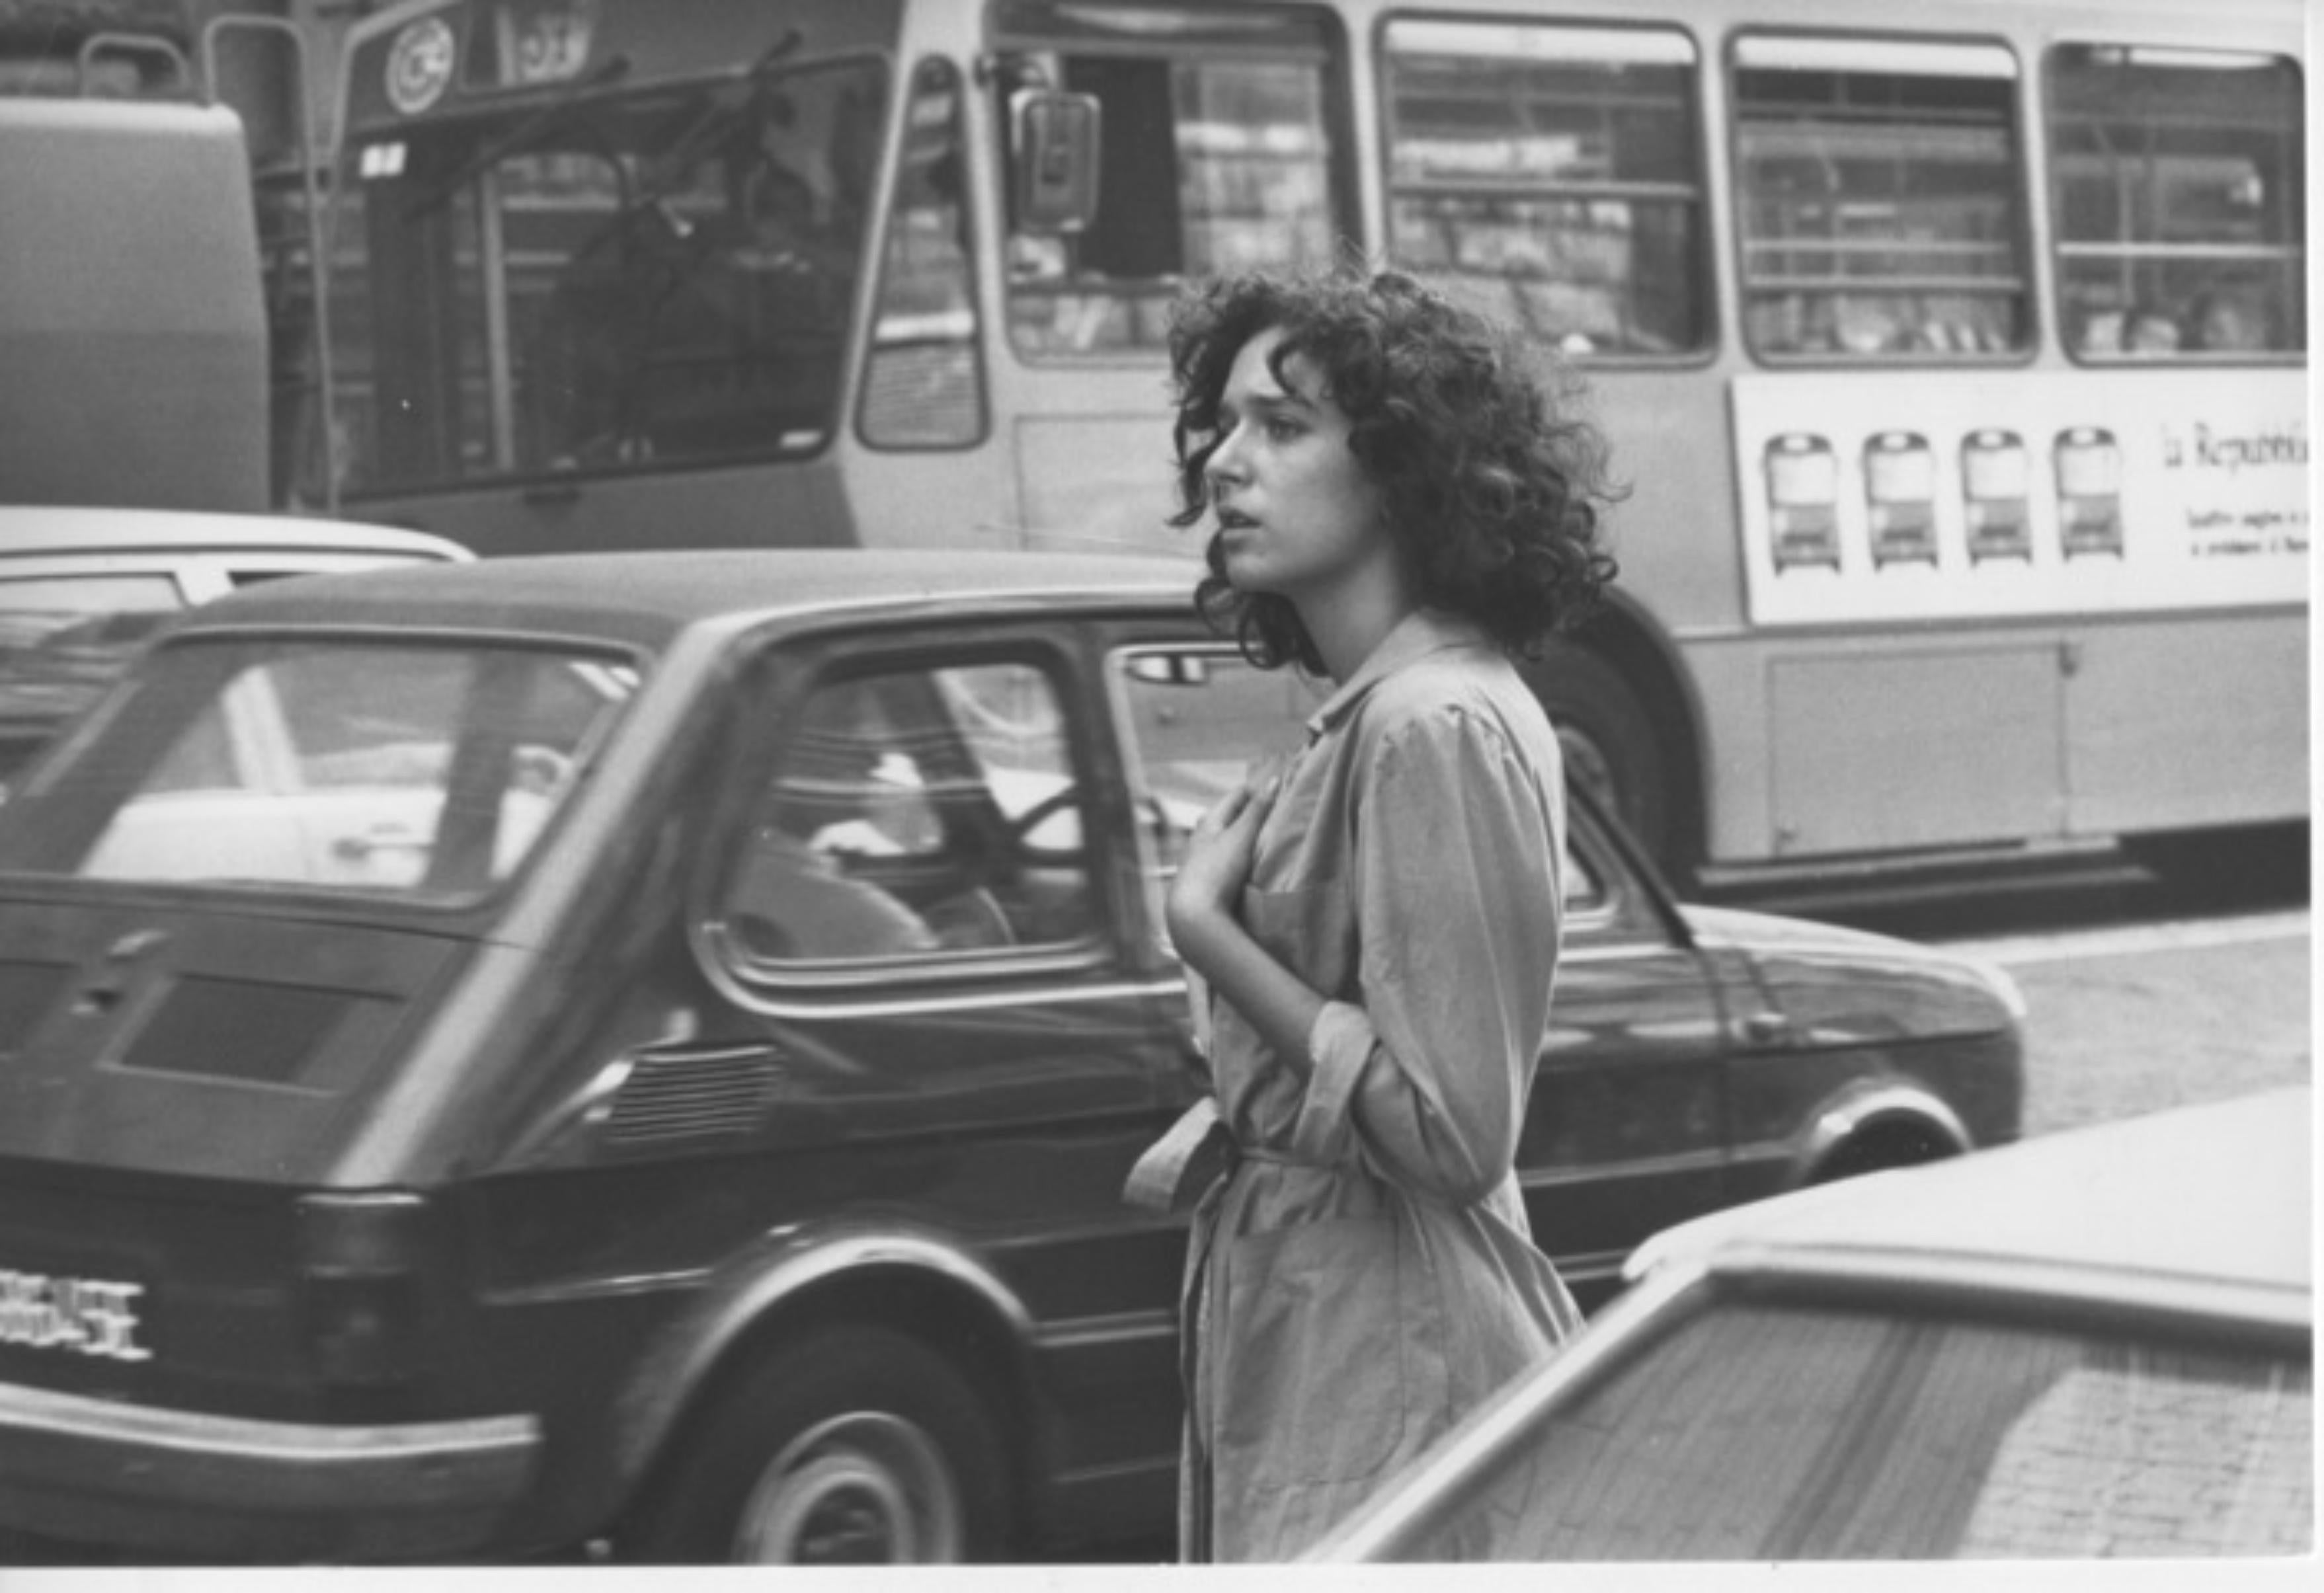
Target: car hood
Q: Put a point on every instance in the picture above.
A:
(1841, 986)
(2221, 1191)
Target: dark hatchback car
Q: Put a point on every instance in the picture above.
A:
(648, 1049)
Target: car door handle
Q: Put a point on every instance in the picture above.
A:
(354, 849)
(1764, 1028)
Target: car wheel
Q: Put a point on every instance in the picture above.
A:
(1903, 1143)
(856, 1447)
(1610, 745)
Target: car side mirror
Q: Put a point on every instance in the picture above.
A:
(1056, 139)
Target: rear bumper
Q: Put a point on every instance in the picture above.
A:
(177, 1482)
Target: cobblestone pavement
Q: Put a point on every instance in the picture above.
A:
(2122, 1024)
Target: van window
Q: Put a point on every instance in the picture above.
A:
(1217, 157)
(1878, 199)
(1550, 174)
(2177, 179)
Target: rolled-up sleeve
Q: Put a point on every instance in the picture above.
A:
(1458, 902)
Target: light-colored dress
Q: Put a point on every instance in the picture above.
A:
(1365, 1275)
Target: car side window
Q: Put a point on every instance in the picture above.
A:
(916, 813)
(1766, 1434)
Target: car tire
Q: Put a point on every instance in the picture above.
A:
(1610, 745)
(847, 1447)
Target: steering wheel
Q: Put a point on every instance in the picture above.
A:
(1022, 826)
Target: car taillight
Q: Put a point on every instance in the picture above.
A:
(360, 1259)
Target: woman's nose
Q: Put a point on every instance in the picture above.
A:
(1224, 467)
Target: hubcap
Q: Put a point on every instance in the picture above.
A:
(864, 1489)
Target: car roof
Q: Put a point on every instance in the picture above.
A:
(48, 530)
(646, 599)
(2220, 1193)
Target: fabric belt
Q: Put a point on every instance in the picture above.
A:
(1190, 1157)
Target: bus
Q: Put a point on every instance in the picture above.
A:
(1955, 361)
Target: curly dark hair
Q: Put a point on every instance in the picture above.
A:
(1494, 498)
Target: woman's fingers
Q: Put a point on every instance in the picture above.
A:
(1223, 813)
(1257, 803)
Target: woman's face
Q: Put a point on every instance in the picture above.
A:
(1296, 516)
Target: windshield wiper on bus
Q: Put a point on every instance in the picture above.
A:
(716, 120)
(527, 130)
(673, 170)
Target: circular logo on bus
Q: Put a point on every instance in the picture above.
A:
(419, 65)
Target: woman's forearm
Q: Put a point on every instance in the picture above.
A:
(1269, 997)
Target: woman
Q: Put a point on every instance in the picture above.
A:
(1375, 915)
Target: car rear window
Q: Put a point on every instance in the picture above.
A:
(1763, 1433)
(424, 770)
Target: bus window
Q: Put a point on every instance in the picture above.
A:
(1878, 203)
(606, 283)
(924, 387)
(2177, 176)
(1551, 175)
(1217, 157)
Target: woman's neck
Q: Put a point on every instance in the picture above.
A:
(1356, 616)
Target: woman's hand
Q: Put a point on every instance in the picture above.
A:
(1217, 858)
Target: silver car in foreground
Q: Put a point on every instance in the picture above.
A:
(2095, 1344)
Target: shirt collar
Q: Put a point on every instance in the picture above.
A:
(1416, 635)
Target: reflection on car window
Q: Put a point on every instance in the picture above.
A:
(1761, 1434)
(917, 813)
(406, 770)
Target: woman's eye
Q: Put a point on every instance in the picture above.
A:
(1281, 430)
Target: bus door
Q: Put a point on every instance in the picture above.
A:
(1225, 146)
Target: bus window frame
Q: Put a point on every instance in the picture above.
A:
(964, 87)
(1704, 268)
(2182, 359)
(2024, 176)
(1343, 157)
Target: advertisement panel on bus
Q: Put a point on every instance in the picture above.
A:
(2042, 493)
